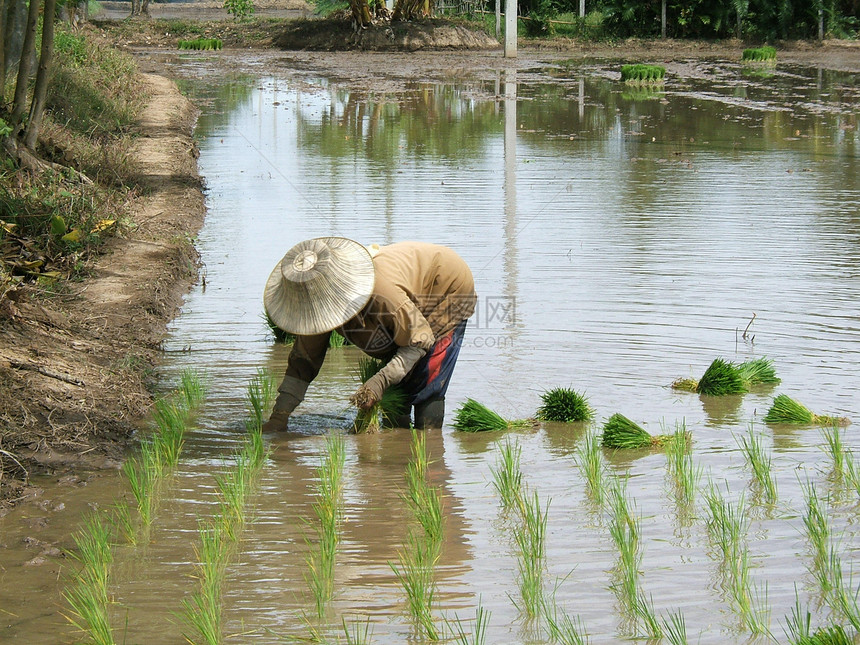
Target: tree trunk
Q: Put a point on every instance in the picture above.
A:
(25, 65)
(144, 8)
(2, 52)
(40, 90)
(135, 8)
(663, 19)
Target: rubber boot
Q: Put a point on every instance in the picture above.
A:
(430, 414)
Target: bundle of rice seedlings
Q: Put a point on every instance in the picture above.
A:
(758, 370)
(565, 405)
(721, 378)
(759, 54)
(784, 409)
(394, 401)
(476, 417)
(201, 44)
(621, 432)
(641, 73)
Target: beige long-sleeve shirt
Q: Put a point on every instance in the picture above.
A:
(421, 292)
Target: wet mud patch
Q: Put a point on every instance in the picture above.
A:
(338, 34)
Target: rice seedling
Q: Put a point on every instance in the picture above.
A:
(507, 476)
(852, 474)
(750, 602)
(563, 628)
(644, 609)
(641, 73)
(624, 529)
(759, 54)
(590, 461)
(170, 419)
(416, 574)
(564, 405)
(472, 416)
(143, 473)
(88, 594)
(357, 633)
(816, 522)
(424, 500)
(121, 520)
(832, 635)
(191, 389)
(786, 410)
(727, 526)
(201, 44)
(621, 433)
(328, 512)
(679, 462)
(675, 628)
(798, 624)
(836, 450)
(720, 379)
(394, 401)
(759, 462)
(259, 397)
(530, 536)
(478, 635)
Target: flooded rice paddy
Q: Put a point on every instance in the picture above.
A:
(620, 238)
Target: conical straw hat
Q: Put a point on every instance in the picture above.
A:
(319, 285)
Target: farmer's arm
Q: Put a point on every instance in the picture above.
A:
(306, 359)
(414, 338)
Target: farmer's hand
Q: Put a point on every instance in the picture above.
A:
(366, 395)
(278, 422)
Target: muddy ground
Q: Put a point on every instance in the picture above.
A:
(76, 369)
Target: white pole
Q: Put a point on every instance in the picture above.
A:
(582, 8)
(498, 19)
(510, 28)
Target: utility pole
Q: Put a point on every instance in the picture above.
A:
(510, 28)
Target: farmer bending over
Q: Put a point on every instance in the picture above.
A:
(405, 303)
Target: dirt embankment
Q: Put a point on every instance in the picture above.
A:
(73, 367)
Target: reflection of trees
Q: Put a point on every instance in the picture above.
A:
(423, 120)
(218, 101)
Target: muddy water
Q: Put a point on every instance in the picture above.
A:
(619, 238)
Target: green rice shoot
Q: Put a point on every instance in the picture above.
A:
(478, 635)
(564, 405)
(786, 410)
(589, 459)
(202, 44)
(643, 74)
(87, 595)
(759, 54)
(393, 404)
(334, 340)
(472, 416)
(508, 476)
(619, 432)
(758, 370)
